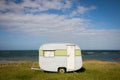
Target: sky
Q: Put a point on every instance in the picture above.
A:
(91, 24)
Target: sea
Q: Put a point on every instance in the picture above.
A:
(32, 55)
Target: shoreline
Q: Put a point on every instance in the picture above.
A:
(84, 61)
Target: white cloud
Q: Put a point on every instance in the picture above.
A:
(34, 6)
(92, 39)
(42, 23)
(42, 5)
(55, 4)
(45, 23)
(93, 33)
(82, 10)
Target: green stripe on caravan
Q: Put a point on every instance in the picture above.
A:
(61, 52)
(77, 52)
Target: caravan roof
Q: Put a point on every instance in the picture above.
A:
(54, 46)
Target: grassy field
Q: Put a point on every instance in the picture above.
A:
(92, 70)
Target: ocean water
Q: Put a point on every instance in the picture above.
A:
(32, 55)
(19, 55)
(106, 55)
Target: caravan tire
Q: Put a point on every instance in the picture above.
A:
(61, 70)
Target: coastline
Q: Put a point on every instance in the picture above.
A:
(8, 62)
(99, 62)
(84, 61)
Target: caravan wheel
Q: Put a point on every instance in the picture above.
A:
(61, 70)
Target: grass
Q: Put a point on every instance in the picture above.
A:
(93, 70)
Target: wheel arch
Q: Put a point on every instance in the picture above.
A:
(62, 68)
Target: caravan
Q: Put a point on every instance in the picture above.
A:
(61, 57)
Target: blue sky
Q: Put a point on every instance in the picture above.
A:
(27, 24)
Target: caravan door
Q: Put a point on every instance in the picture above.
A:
(70, 57)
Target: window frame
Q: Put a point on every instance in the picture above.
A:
(49, 53)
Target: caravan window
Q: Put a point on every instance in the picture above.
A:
(48, 53)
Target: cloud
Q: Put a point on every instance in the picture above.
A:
(43, 23)
(20, 16)
(82, 10)
(33, 5)
(100, 39)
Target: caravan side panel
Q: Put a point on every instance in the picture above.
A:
(53, 63)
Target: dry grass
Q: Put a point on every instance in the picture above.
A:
(98, 62)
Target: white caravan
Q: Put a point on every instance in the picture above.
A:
(61, 57)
